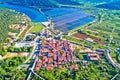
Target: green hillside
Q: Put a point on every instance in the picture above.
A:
(7, 17)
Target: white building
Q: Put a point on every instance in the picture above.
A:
(24, 44)
(0, 57)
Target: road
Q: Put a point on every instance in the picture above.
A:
(20, 33)
(32, 65)
(107, 54)
(112, 63)
(31, 55)
(111, 60)
(30, 69)
(115, 76)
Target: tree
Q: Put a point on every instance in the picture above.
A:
(3, 51)
(10, 49)
(30, 49)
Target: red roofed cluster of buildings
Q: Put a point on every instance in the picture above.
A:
(53, 54)
(95, 56)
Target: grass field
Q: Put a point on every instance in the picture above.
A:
(23, 33)
(105, 27)
(115, 57)
(36, 28)
(82, 42)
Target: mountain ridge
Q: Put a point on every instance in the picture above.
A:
(115, 5)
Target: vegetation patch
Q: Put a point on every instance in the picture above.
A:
(24, 32)
(36, 28)
(87, 37)
(8, 69)
(7, 17)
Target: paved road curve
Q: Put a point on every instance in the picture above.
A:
(111, 60)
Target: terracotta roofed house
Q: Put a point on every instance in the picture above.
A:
(49, 67)
(74, 66)
(93, 57)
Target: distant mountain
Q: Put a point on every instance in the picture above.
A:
(112, 5)
(95, 1)
(68, 2)
(109, 4)
(38, 3)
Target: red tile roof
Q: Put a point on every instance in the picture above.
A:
(52, 47)
(38, 65)
(93, 57)
(74, 66)
(49, 67)
(50, 60)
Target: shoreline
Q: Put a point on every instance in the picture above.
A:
(34, 15)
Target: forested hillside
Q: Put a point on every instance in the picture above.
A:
(7, 17)
(9, 71)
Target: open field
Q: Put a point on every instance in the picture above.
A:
(20, 37)
(36, 28)
(106, 27)
(84, 43)
(85, 37)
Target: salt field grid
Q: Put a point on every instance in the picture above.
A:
(66, 19)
